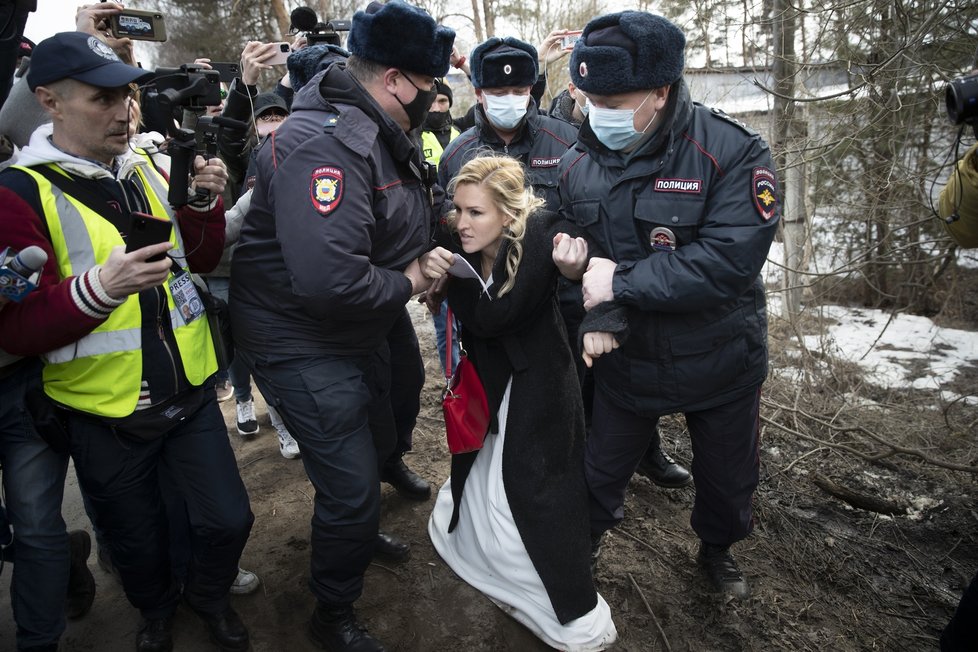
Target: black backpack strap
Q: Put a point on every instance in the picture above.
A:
(87, 196)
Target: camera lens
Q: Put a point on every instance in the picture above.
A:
(961, 97)
(284, 47)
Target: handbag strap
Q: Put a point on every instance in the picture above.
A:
(449, 320)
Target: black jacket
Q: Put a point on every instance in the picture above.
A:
(538, 145)
(338, 212)
(704, 185)
(521, 336)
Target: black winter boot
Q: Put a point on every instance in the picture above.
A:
(335, 628)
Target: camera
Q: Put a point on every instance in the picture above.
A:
(305, 20)
(190, 86)
(961, 97)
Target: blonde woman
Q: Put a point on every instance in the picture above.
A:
(512, 520)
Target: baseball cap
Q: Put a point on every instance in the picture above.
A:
(80, 56)
(265, 102)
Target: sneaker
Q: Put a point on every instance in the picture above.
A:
(723, 571)
(286, 444)
(224, 390)
(247, 422)
(246, 582)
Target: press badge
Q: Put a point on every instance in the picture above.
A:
(185, 298)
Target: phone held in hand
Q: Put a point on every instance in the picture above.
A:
(568, 40)
(282, 52)
(227, 70)
(145, 230)
(138, 25)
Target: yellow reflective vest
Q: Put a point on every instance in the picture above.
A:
(430, 146)
(102, 372)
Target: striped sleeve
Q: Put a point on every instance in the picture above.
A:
(90, 297)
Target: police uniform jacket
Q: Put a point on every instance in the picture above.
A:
(538, 145)
(339, 210)
(689, 217)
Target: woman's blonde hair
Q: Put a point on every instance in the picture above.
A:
(505, 181)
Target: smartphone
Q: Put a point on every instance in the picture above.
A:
(568, 40)
(282, 52)
(138, 25)
(228, 71)
(145, 230)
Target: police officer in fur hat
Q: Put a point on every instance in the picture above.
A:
(327, 260)
(506, 119)
(683, 202)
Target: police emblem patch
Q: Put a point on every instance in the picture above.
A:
(326, 189)
(582, 69)
(765, 192)
(662, 239)
(507, 69)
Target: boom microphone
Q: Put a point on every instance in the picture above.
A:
(303, 19)
(20, 273)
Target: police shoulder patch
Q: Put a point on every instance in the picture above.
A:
(764, 190)
(326, 188)
(720, 113)
(329, 122)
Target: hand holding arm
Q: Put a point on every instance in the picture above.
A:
(419, 282)
(597, 344)
(598, 282)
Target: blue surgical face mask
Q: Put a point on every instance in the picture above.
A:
(506, 111)
(615, 128)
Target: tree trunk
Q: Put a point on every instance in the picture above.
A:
(789, 135)
(480, 34)
(281, 17)
(490, 15)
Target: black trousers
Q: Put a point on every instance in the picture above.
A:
(961, 634)
(407, 381)
(120, 477)
(338, 409)
(725, 469)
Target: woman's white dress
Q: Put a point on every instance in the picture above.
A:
(486, 550)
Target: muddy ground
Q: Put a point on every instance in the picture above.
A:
(824, 575)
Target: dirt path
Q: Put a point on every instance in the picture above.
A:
(823, 576)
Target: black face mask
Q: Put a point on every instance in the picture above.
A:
(417, 109)
(437, 120)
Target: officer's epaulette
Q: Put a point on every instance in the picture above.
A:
(720, 113)
(329, 122)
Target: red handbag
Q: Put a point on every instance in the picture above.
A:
(464, 402)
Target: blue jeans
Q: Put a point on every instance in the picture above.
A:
(33, 480)
(238, 372)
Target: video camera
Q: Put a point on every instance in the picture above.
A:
(305, 20)
(190, 86)
(961, 97)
